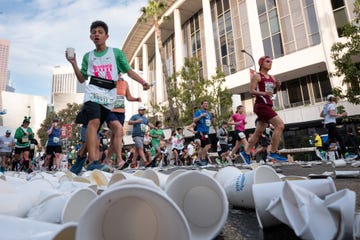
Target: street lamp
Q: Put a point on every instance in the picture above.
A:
(29, 107)
(244, 51)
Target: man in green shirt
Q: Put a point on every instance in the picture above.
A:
(157, 134)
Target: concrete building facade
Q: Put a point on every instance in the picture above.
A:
(4, 64)
(298, 35)
(65, 88)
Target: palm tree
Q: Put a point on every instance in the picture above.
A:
(153, 11)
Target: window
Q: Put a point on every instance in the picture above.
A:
(270, 28)
(297, 92)
(298, 25)
(223, 36)
(341, 18)
(193, 36)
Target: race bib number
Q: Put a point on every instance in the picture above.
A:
(56, 139)
(100, 99)
(32, 146)
(269, 87)
(143, 127)
(120, 102)
(208, 122)
(25, 139)
(104, 141)
(242, 135)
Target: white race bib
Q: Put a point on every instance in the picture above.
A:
(119, 102)
(143, 127)
(56, 139)
(208, 122)
(242, 135)
(99, 98)
(269, 87)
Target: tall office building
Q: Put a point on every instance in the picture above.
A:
(223, 34)
(65, 88)
(4, 63)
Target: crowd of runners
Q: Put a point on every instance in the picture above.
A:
(104, 102)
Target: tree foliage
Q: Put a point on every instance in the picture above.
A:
(65, 116)
(346, 56)
(188, 89)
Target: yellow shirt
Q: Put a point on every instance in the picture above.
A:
(318, 141)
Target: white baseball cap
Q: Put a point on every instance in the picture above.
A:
(329, 97)
(142, 107)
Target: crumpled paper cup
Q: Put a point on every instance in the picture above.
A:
(264, 193)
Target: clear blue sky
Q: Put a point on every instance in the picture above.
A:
(41, 30)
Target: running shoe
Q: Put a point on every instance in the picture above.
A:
(245, 157)
(218, 161)
(323, 156)
(277, 157)
(95, 165)
(349, 156)
(133, 165)
(78, 165)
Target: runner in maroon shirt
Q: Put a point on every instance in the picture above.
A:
(264, 86)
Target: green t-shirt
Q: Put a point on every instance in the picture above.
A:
(156, 135)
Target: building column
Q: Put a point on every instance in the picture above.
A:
(145, 73)
(257, 49)
(209, 39)
(160, 83)
(136, 64)
(325, 18)
(179, 56)
(145, 62)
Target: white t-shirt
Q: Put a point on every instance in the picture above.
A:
(327, 108)
(190, 148)
(104, 67)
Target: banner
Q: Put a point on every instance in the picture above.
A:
(66, 131)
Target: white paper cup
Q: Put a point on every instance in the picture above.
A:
(118, 176)
(339, 163)
(14, 204)
(356, 226)
(210, 173)
(342, 206)
(227, 173)
(75, 205)
(35, 230)
(174, 174)
(152, 175)
(32, 189)
(292, 178)
(203, 202)
(98, 177)
(264, 193)
(70, 52)
(62, 208)
(160, 179)
(138, 173)
(81, 179)
(6, 187)
(239, 189)
(347, 174)
(133, 211)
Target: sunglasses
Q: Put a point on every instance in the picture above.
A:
(268, 61)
